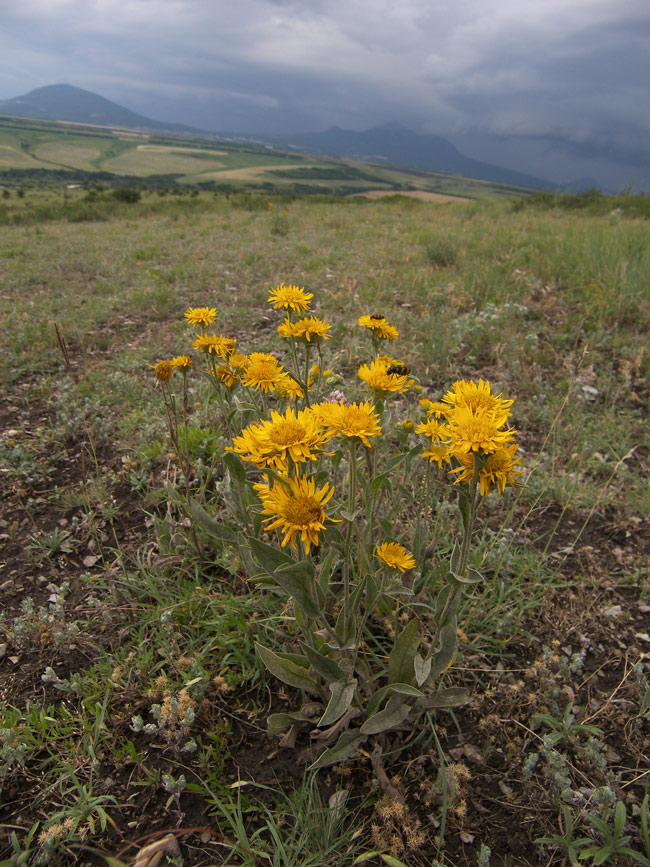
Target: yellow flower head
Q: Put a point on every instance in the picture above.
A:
(379, 326)
(395, 556)
(478, 398)
(477, 431)
(163, 370)
(307, 329)
(500, 469)
(289, 388)
(290, 298)
(296, 508)
(437, 453)
(182, 363)
(295, 436)
(263, 372)
(433, 429)
(201, 315)
(238, 361)
(353, 420)
(379, 381)
(226, 375)
(217, 343)
(435, 408)
(408, 424)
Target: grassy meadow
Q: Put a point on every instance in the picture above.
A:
(134, 706)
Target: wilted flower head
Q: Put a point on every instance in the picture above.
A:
(163, 370)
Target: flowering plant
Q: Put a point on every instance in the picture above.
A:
(321, 482)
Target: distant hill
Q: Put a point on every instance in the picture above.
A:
(73, 104)
(392, 143)
(395, 144)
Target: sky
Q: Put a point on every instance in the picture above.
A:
(579, 69)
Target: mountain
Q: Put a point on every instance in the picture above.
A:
(68, 103)
(395, 144)
(574, 165)
(391, 143)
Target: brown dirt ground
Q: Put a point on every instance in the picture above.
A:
(487, 742)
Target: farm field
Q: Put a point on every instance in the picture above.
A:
(141, 569)
(91, 155)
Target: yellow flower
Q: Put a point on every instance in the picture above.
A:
(438, 454)
(220, 345)
(295, 436)
(182, 363)
(500, 469)
(478, 397)
(296, 508)
(433, 429)
(379, 327)
(305, 329)
(290, 297)
(290, 388)
(238, 361)
(226, 375)
(435, 408)
(395, 556)
(477, 431)
(201, 315)
(263, 372)
(163, 370)
(408, 424)
(378, 379)
(356, 420)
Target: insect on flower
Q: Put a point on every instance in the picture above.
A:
(398, 370)
(377, 316)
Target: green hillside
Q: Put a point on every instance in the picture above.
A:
(39, 152)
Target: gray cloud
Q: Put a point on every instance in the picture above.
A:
(576, 68)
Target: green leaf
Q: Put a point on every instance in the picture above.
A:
(345, 747)
(453, 696)
(393, 714)
(268, 557)
(286, 670)
(280, 722)
(210, 526)
(401, 660)
(455, 558)
(293, 580)
(388, 690)
(443, 658)
(326, 569)
(422, 669)
(326, 667)
(472, 577)
(235, 466)
(341, 699)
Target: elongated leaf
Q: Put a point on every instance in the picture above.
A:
(453, 696)
(341, 699)
(286, 670)
(443, 658)
(393, 714)
(294, 583)
(386, 691)
(455, 558)
(345, 747)
(472, 577)
(235, 466)
(210, 526)
(422, 669)
(326, 667)
(326, 569)
(280, 722)
(268, 557)
(401, 660)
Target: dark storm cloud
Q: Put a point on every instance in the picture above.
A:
(573, 68)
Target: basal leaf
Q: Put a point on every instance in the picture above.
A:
(286, 670)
